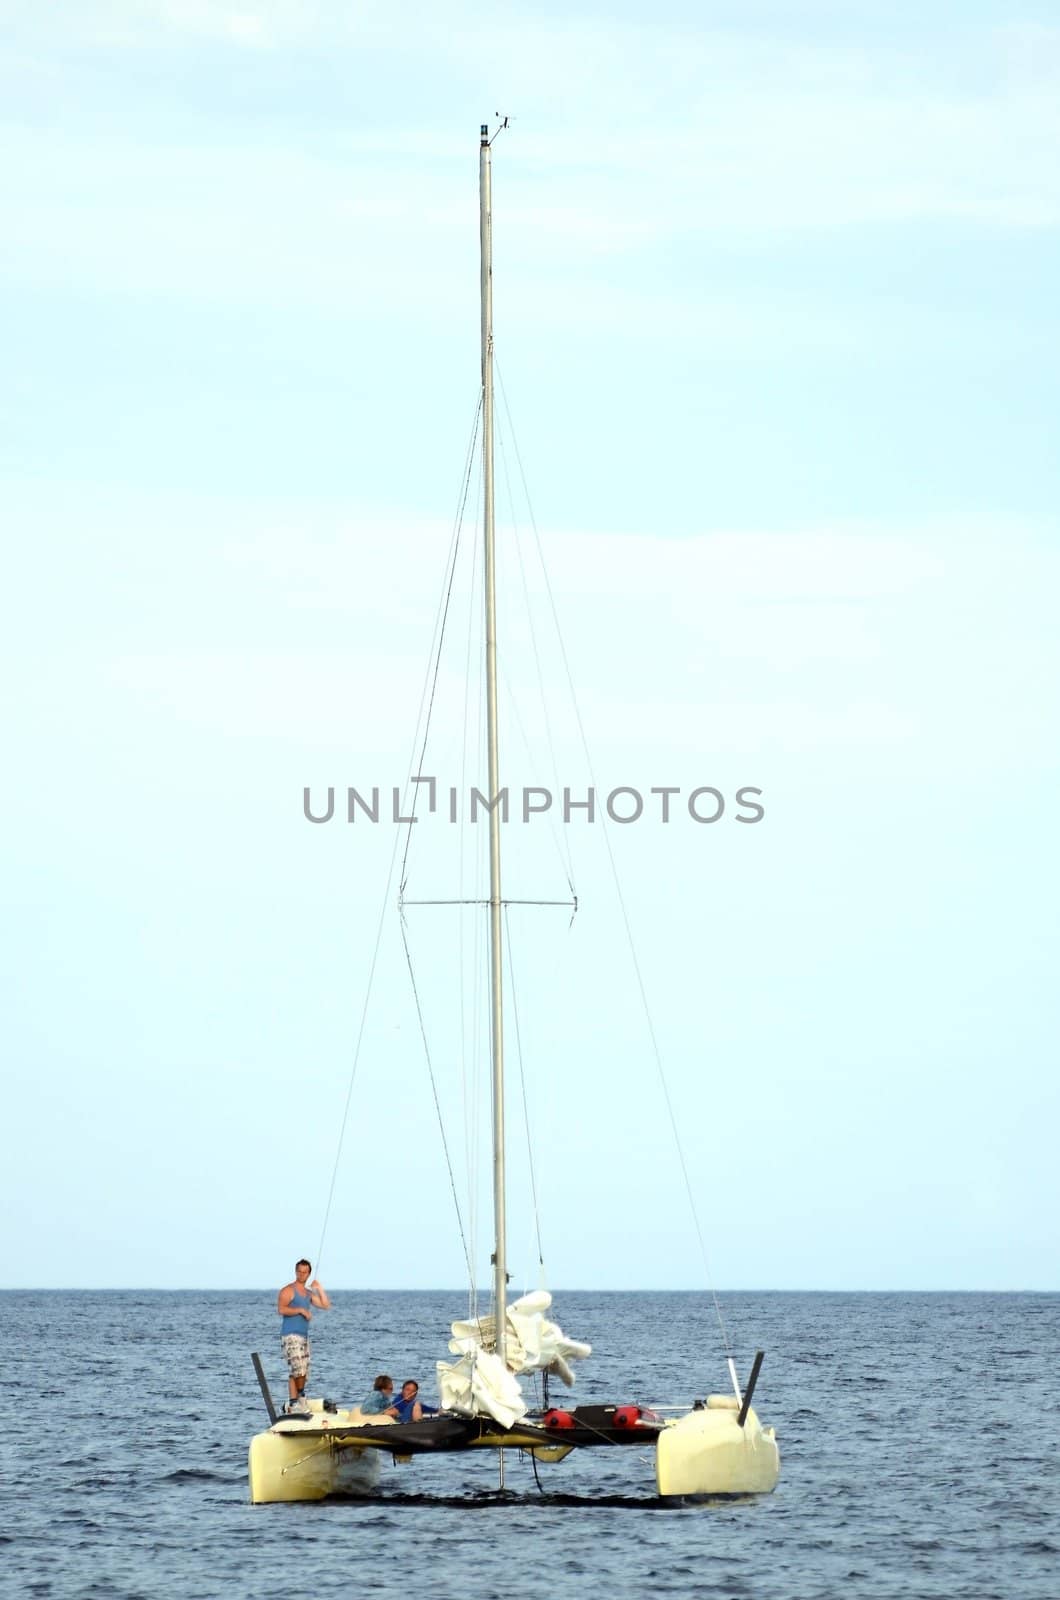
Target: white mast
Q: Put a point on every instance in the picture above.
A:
(500, 1275)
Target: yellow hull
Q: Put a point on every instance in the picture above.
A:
(706, 1452)
(301, 1461)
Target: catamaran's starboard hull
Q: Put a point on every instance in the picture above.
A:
(308, 1465)
(706, 1452)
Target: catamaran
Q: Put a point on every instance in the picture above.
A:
(717, 1447)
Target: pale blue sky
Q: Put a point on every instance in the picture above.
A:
(777, 318)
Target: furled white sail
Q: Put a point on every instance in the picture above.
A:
(479, 1382)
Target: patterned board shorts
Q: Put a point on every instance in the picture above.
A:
(296, 1352)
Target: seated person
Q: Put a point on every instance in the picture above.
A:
(407, 1408)
(380, 1396)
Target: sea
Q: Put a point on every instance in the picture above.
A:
(919, 1438)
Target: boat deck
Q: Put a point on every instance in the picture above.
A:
(590, 1426)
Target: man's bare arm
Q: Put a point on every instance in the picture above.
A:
(286, 1309)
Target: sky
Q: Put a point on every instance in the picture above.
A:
(777, 330)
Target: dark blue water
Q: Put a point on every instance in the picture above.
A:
(919, 1435)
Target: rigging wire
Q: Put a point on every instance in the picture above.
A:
(440, 627)
(566, 864)
(437, 1101)
(621, 898)
(436, 642)
(439, 637)
(526, 1103)
(470, 1060)
(563, 848)
(357, 1048)
(474, 1100)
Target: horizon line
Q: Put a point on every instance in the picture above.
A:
(267, 1289)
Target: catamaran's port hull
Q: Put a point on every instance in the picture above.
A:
(308, 1466)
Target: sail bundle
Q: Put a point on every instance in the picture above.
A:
(479, 1383)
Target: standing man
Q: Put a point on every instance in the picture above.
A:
(294, 1304)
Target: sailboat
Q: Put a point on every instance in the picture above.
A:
(717, 1447)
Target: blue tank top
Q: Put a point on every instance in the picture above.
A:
(297, 1324)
